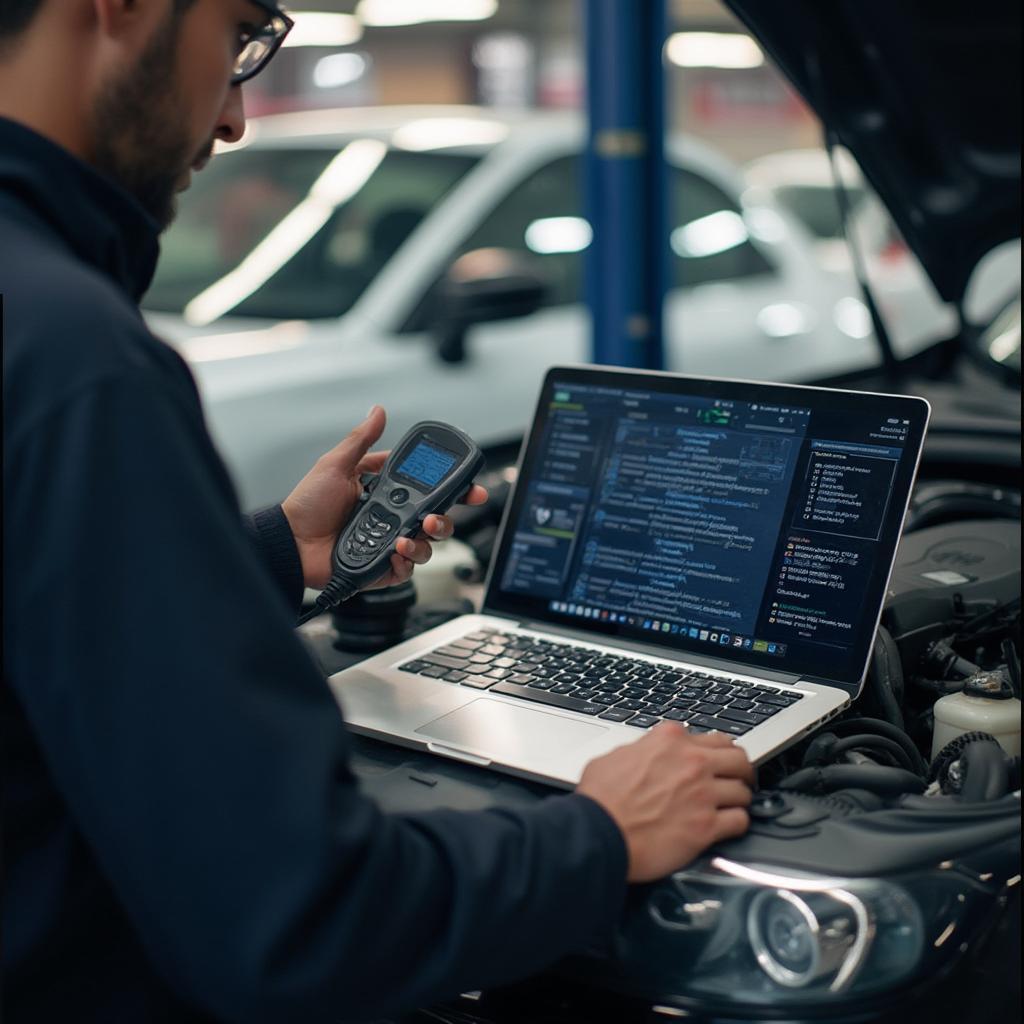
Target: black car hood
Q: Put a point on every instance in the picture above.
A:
(927, 96)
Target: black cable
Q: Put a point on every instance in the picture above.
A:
(882, 743)
(844, 726)
(886, 677)
(338, 589)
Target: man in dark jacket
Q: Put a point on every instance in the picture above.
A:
(183, 837)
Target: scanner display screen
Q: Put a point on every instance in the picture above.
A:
(427, 464)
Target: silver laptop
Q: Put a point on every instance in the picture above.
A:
(711, 552)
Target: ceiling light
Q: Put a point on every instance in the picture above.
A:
(319, 28)
(339, 69)
(385, 13)
(713, 50)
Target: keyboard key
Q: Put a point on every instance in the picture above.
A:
(721, 725)
(774, 698)
(741, 705)
(633, 693)
(617, 715)
(413, 666)
(678, 715)
(441, 659)
(464, 643)
(740, 716)
(643, 721)
(584, 693)
(452, 651)
(704, 708)
(608, 698)
(454, 677)
(504, 662)
(493, 649)
(498, 673)
(655, 709)
(434, 671)
(717, 698)
(481, 659)
(558, 700)
(632, 705)
(540, 684)
(523, 678)
(477, 682)
(560, 688)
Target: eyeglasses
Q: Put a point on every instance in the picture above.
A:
(256, 47)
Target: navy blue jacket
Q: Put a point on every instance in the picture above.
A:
(183, 837)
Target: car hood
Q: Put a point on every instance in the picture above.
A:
(927, 98)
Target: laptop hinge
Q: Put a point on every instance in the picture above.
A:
(652, 651)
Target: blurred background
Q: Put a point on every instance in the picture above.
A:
(404, 222)
(523, 54)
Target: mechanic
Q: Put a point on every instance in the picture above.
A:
(183, 835)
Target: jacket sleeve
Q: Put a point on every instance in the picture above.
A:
(206, 763)
(270, 532)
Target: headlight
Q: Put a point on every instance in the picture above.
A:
(742, 936)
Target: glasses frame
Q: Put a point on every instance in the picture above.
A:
(273, 11)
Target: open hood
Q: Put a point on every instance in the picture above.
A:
(927, 96)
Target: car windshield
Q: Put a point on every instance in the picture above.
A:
(290, 233)
(818, 207)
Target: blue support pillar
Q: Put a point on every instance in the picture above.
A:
(625, 180)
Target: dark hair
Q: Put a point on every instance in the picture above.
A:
(15, 15)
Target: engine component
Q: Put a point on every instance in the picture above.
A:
(947, 573)
(986, 704)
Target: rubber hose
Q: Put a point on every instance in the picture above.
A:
(951, 751)
(881, 742)
(847, 725)
(984, 764)
(875, 778)
(886, 677)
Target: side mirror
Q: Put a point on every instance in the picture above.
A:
(482, 286)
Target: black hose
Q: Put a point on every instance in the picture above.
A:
(875, 778)
(983, 764)
(903, 759)
(885, 677)
(950, 752)
(845, 726)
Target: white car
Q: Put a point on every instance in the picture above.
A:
(802, 182)
(310, 274)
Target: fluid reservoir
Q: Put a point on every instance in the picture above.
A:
(986, 704)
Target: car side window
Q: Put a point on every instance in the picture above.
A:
(709, 238)
(541, 218)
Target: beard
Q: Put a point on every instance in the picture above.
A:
(140, 137)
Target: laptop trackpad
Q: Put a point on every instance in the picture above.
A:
(507, 733)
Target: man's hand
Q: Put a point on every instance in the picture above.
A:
(325, 498)
(672, 795)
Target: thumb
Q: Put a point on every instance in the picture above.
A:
(349, 453)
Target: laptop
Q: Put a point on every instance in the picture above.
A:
(711, 552)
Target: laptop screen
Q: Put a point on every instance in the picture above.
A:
(752, 522)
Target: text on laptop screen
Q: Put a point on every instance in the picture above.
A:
(745, 529)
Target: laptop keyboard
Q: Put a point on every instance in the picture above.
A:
(601, 685)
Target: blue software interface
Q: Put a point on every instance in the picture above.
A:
(752, 526)
(427, 464)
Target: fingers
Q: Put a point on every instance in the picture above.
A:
(415, 550)
(438, 527)
(732, 793)
(730, 822)
(476, 495)
(350, 452)
(372, 463)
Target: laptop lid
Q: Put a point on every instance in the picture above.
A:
(730, 519)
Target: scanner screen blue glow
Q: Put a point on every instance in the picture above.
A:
(427, 464)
